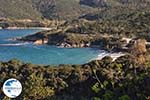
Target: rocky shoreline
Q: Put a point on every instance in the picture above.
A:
(116, 47)
(66, 40)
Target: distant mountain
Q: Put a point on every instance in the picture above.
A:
(62, 9)
(112, 3)
(115, 9)
(39, 9)
(18, 9)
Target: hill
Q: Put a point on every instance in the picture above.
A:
(18, 9)
(62, 9)
(39, 9)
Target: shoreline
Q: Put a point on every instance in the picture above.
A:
(114, 56)
(101, 55)
(14, 28)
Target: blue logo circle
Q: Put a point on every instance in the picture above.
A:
(12, 88)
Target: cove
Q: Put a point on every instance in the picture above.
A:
(41, 54)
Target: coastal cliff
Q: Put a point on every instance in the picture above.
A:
(76, 40)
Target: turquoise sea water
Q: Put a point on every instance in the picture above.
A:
(40, 54)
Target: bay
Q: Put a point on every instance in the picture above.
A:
(41, 54)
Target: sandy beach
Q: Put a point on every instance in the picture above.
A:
(113, 55)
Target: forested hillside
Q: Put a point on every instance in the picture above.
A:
(127, 78)
(18, 9)
(62, 9)
(49, 9)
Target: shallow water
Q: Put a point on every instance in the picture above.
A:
(41, 54)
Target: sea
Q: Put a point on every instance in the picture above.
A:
(28, 52)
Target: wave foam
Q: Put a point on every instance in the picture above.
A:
(14, 44)
(113, 55)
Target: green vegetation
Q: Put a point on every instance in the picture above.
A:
(64, 9)
(86, 24)
(18, 9)
(108, 28)
(41, 9)
(118, 17)
(122, 79)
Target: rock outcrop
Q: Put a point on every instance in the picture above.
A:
(138, 46)
(138, 49)
(41, 41)
(67, 45)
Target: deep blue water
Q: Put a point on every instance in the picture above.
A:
(40, 54)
